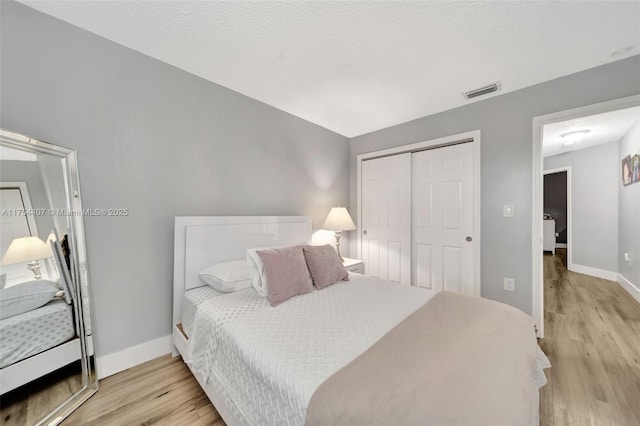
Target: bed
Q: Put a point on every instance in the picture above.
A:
(357, 352)
(42, 340)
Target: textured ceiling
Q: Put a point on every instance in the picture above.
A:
(356, 67)
(603, 128)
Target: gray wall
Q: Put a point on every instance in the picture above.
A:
(629, 212)
(506, 124)
(52, 171)
(555, 202)
(29, 172)
(162, 143)
(594, 204)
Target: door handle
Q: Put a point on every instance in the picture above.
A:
(364, 232)
(469, 239)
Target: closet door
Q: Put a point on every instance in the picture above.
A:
(386, 217)
(442, 234)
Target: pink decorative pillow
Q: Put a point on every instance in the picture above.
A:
(325, 265)
(286, 273)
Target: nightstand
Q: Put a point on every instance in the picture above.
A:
(353, 265)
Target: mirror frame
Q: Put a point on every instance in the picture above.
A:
(79, 273)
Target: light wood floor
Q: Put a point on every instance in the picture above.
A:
(32, 402)
(159, 392)
(592, 339)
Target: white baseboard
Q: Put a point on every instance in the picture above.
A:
(119, 361)
(631, 289)
(594, 272)
(561, 245)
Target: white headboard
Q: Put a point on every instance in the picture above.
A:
(201, 241)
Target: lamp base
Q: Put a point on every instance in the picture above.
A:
(35, 267)
(338, 235)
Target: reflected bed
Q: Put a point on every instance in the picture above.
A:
(30, 333)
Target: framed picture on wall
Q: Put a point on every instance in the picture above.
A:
(627, 172)
(635, 168)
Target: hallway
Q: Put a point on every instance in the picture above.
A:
(592, 338)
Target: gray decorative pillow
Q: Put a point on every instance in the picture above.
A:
(285, 272)
(25, 297)
(325, 265)
(256, 270)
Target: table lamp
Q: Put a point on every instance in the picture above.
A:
(27, 249)
(338, 221)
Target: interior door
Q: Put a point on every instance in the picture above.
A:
(386, 217)
(443, 213)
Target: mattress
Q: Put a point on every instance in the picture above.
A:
(192, 299)
(266, 362)
(30, 333)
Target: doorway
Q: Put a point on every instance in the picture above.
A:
(557, 210)
(539, 124)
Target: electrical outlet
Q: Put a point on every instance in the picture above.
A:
(508, 210)
(510, 284)
(627, 258)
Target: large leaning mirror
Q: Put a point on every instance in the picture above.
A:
(47, 361)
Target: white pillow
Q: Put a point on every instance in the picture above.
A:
(255, 269)
(227, 276)
(25, 297)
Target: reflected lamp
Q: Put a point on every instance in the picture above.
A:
(27, 249)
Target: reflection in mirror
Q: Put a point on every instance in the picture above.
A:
(47, 364)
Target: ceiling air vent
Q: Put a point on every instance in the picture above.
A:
(483, 90)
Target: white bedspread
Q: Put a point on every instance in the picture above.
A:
(33, 332)
(266, 362)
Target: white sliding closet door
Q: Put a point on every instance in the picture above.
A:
(386, 217)
(443, 214)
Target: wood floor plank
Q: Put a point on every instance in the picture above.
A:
(32, 402)
(159, 392)
(592, 342)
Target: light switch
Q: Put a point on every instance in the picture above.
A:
(510, 284)
(508, 210)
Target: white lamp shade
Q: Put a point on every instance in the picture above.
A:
(26, 249)
(339, 220)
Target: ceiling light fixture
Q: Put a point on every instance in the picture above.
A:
(572, 137)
